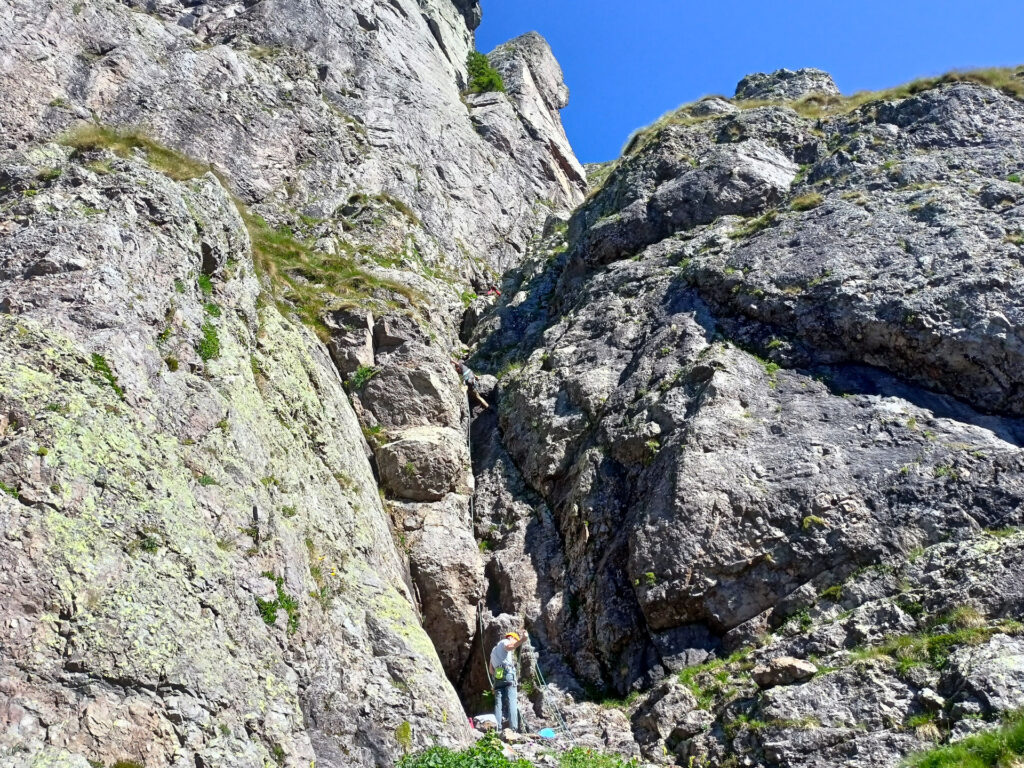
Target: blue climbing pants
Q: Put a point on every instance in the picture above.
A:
(506, 700)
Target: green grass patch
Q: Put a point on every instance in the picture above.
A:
(716, 679)
(309, 282)
(931, 650)
(102, 367)
(125, 143)
(754, 226)
(807, 202)
(999, 748)
(209, 345)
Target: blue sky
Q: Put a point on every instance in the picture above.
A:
(628, 62)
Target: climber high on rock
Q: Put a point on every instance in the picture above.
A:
(503, 667)
(469, 381)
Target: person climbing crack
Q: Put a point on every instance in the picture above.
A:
(502, 666)
(469, 381)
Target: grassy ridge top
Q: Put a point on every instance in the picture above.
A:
(1009, 80)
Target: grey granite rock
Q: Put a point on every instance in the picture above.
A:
(786, 85)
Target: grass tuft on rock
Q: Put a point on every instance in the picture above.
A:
(999, 748)
(125, 143)
(310, 282)
(807, 202)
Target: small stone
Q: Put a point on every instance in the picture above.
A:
(931, 700)
(784, 670)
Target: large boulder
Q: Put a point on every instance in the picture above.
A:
(425, 464)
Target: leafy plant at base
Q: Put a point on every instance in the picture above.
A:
(482, 76)
(486, 753)
(581, 757)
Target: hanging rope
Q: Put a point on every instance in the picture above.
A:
(483, 648)
(559, 717)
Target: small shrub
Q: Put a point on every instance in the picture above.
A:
(1014, 177)
(482, 76)
(206, 481)
(812, 520)
(10, 490)
(172, 363)
(213, 310)
(100, 365)
(289, 512)
(205, 285)
(359, 378)
(807, 202)
(209, 345)
(268, 608)
(486, 753)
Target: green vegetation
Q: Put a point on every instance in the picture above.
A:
(487, 753)
(269, 608)
(1014, 177)
(359, 377)
(308, 281)
(833, 593)
(807, 202)
(403, 735)
(932, 649)
(482, 76)
(209, 345)
(213, 310)
(206, 481)
(999, 748)
(205, 285)
(715, 679)
(812, 520)
(10, 490)
(754, 226)
(289, 512)
(102, 367)
(125, 143)
(172, 363)
(581, 757)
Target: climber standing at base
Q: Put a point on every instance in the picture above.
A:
(469, 381)
(503, 668)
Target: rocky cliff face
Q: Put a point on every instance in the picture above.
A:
(238, 240)
(762, 398)
(753, 459)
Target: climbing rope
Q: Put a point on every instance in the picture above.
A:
(483, 648)
(559, 717)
